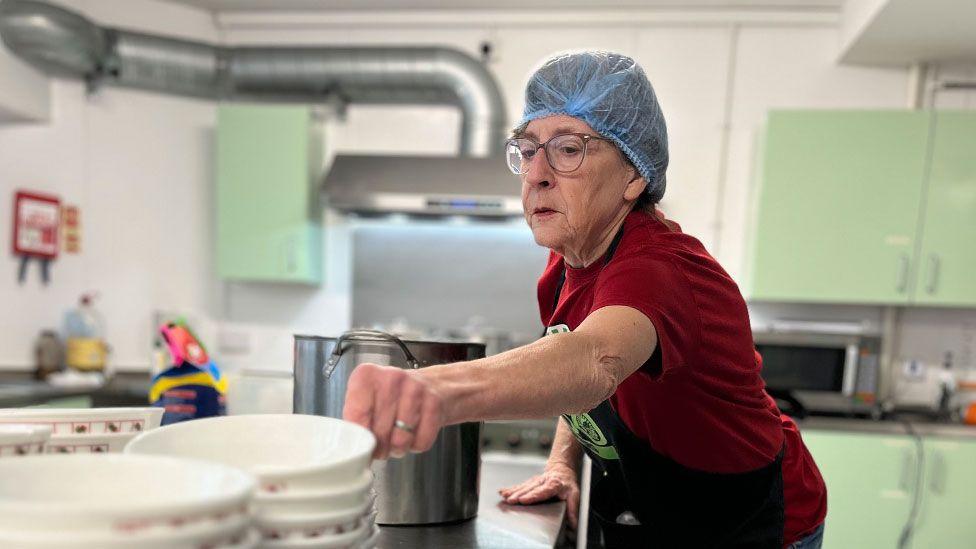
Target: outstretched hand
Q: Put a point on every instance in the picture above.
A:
(557, 481)
(398, 406)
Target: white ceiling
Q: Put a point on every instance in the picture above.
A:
(903, 32)
(350, 5)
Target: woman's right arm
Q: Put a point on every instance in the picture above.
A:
(558, 480)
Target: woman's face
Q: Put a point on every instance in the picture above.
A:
(572, 212)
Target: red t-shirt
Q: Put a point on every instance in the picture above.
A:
(699, 400)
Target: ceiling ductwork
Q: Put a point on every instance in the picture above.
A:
(64, 43)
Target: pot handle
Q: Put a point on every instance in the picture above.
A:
(365, 335)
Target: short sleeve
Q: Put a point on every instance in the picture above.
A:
(546, 287)
(658, 288)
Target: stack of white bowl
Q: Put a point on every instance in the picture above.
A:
(123, 502)
(314, 482)
(87, 430)
(23, 439)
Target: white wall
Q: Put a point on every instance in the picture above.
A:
(25, 94)
(952, 98)
(139, 167)
(857, 15)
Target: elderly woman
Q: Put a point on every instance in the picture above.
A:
(648, 356)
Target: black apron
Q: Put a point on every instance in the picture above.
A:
(641, 498)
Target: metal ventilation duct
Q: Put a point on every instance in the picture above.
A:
(64, 43)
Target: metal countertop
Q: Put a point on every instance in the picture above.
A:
(887, 427)
(124, 389)
(497, 526)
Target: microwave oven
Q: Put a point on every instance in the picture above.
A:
(827, 372)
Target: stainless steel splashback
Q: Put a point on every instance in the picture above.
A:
(438, 276)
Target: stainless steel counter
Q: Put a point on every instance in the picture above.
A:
(124, 389)
(887, 427)
(497, 526)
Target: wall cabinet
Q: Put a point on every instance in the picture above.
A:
(945, 518)
(268, 167)
(873, 479)
(872, 207)
(869, 495)
(946, 264)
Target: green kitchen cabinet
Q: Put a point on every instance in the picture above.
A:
(946, 515)
(946, 264)
(870, 484)
(268, 213)
(838, 206)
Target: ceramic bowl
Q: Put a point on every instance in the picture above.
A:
(371, 541)
(341, 498)
(117, 493)
(312, 525)
(89, 444)
(346, 540)
(251, 540)
(286, 452)
(22, 440)
(87, 421)
(230, 533)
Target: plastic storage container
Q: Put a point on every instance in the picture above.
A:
(84, 334)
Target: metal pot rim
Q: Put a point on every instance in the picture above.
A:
(412, 341)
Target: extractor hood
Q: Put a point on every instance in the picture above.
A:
(423, 186)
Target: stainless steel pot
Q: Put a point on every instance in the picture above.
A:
(440, 485)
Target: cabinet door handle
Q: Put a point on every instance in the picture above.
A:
(903, 274)
(289, 254)
(907, 476)
(937, 478)
(935, 264)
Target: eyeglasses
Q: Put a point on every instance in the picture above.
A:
(564, 152)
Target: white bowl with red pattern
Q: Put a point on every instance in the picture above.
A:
(23, 440)
(86, 421)
(112, 443)
(352, 539)
(373, 538)
(313, 525)
(118, 494)
(338, 498)
(232, 533)
(286, 452)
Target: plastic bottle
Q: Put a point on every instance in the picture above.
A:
(158, 360)
(967, 395)
(84, 333)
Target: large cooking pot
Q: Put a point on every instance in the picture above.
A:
(439, 485)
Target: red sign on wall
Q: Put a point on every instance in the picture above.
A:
(36, 222)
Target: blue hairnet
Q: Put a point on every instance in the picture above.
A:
(611, 93)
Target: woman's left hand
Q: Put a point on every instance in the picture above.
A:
(399, 406)
(557, 481)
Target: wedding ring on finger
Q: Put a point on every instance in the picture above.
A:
(404, 426)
